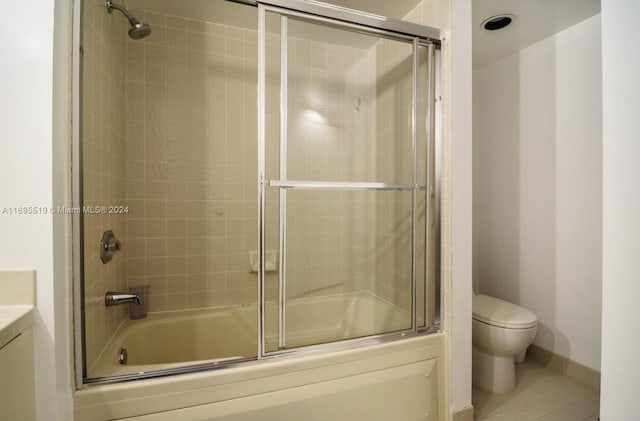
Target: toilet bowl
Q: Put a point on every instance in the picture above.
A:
(501, 331)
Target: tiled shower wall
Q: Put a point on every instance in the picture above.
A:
(331, 126)
(394, 164)
(191, 165)
(103, 128)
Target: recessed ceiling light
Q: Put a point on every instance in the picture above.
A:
(497, 22)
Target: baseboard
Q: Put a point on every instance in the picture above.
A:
(568, 367)
(465, 414)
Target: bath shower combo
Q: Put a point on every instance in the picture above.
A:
(280, 163)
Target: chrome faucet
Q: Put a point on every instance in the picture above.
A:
(114, 298)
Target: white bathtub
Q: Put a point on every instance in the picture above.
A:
(381, 378)
(176, 339)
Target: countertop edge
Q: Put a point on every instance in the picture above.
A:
(14, 319)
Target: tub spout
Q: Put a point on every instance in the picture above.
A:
(114, 298)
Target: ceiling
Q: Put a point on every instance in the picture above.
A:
(534, 21)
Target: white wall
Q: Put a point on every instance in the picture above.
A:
(537, 187)
(461, 204)
(61, 190)
(26, 179)
(621, 210)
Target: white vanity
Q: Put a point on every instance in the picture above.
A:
(17, 385)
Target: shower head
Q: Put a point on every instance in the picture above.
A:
(138, 30)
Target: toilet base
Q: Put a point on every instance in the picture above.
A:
(493, 374)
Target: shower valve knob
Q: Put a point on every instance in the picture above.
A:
(112, 246)
(109, 244)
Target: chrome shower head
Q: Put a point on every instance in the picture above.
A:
(138, 30)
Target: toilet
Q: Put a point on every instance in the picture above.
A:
(501, 333)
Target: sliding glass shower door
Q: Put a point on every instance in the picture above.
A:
(330, 110)
(346, 181)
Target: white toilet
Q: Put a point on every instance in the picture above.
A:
(501, 333)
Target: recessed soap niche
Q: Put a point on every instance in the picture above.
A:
(270, 260)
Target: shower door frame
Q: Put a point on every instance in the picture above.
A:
(418, 36)
(329, 15)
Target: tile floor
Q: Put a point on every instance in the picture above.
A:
(542, 394)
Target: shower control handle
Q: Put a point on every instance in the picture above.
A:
(109, 245)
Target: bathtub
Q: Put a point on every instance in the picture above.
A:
(176, 339)
(210, 338)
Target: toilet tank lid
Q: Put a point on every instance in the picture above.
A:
(501, 313)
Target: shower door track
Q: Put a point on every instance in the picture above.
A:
(350, 18)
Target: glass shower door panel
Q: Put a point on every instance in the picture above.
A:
(348, 270)
(349, 101)
(345, 169)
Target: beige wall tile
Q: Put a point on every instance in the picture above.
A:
(104, 164)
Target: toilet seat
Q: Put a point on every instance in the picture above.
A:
(499, 313)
